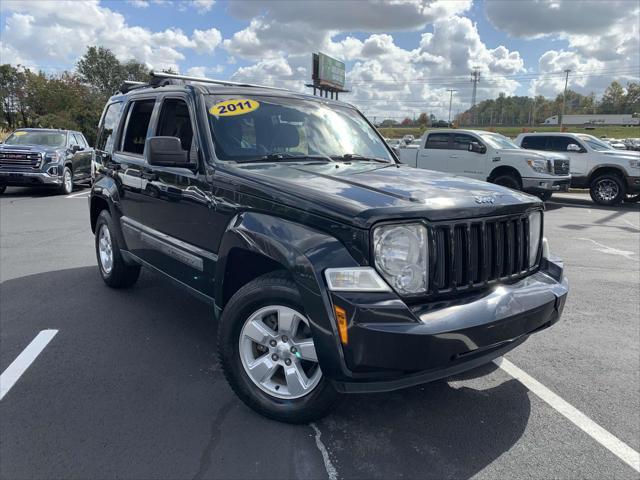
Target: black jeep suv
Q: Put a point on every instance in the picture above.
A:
(39, 157)
(330, 267)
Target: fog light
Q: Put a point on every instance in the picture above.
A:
(341, 319)
(53, 171)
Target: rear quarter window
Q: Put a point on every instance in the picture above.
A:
(534, 143)
(437, 141)
(110, 119)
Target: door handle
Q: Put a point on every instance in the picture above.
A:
(453, 156)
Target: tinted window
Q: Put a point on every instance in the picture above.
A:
(437, 140)
(175, 122)
(462, 141)
(110, 120)
(559, 144)
(37, 137)
(74, 139)
(534, 143)
(137, 126)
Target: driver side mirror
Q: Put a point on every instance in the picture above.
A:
(572, 147)
(76, 148)
(477, 147)
(167, 152)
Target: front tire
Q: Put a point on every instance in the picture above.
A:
(607, 189)
(508, 180)
(544, 196)
(113, 270)
(67, 181)
(267, 352)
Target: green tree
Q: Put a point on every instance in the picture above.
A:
(614, 99)
(101, 69)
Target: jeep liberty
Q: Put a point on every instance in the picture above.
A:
(330, 267)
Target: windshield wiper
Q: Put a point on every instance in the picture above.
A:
(361, 158)
(275, 157)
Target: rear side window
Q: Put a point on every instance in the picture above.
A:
(110, 120)
(176, 122)
(534, 143)
(74, 139)
(437, 140)
(135, 134)
(462, 141)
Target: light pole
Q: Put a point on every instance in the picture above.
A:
(450, 100)
(564, 96)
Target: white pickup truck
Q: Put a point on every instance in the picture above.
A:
(491, 157)
(611, 175)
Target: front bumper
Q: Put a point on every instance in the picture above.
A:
(633, 184)
(392, 345)
(29, 179)
(549, 184)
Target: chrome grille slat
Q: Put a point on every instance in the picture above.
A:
(20, 160)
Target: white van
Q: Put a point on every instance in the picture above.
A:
(491, 157)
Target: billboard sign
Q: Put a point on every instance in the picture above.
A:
(328, 71)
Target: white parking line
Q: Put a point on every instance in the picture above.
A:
(14, 371)
(74, 195)
(331, 470)
(610, 250)
(612, 443)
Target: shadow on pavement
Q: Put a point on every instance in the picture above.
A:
(131, 388)
(559, 201)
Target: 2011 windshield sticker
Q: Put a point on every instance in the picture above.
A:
(237, 106)
(18, 134)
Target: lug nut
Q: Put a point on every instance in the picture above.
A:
(274, 357)
(287, 362)
(273, 343)
(294, 350)
(285, 339)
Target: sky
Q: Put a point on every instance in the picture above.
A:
(402, 56)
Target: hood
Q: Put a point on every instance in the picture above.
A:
(622, 154)
(362, 193)
(29, 148)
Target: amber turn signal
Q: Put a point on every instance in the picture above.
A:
(341, 319)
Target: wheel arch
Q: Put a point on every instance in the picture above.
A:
(606, 169)
(505, 170)
(260, 243)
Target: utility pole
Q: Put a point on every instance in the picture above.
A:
(450, 100)
(564, 96)
(475, 78)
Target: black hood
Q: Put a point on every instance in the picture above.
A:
(363, 193)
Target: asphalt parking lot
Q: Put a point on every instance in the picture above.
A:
(130, 387)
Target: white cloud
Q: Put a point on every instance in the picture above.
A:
(203, 5)
(43, 33)
(139, 3)
(202, 71)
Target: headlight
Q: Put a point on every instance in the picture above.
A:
(401, 256)
(538, 165)
(52, 157)
(634, 163)
(535, 227)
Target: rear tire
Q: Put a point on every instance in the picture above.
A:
(607, 189)
(113, 270)
(508, 180)
(270, 307)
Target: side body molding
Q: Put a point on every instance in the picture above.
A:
(305, 253)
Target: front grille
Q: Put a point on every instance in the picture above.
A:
(20, 160)
(561, 167)
(475, 253)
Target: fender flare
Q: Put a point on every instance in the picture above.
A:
(106, 189)
(304, 253)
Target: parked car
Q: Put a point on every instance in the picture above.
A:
(330, 267)
(407, 139)
(610, 175)
(615, 143)
(632, 143)
(395, 144)
(491, 157)
(39, 157)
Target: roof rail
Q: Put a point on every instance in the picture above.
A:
(159, 76)
(129, 85)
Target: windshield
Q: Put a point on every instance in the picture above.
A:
(594, 143)
(498, 141)
(256, 127)
(27, 137)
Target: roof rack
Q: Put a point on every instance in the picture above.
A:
(158, 77)
(129, 85)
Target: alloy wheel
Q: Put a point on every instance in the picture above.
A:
(105, 249)
(607, 190)
(278, 353)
